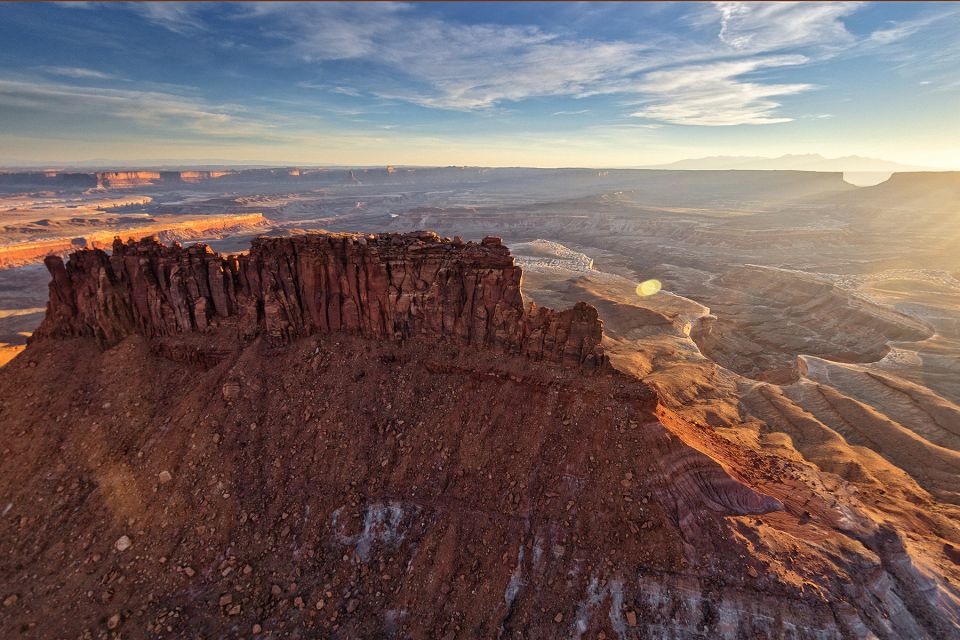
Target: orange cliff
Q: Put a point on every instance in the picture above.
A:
(23, 253)
(127, 179)
(121, 179)
(202, 176)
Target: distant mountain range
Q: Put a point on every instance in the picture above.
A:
(792, 162)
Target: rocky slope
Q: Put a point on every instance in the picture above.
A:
(346, 436)
(814, 317)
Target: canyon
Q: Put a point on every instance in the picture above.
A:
(310, 434)
(332, 422)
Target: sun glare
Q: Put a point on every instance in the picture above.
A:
(648, 288)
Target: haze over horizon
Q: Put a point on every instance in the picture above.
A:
(541, 85)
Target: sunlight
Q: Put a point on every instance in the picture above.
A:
(648, 288)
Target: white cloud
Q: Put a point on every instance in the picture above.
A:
(893, 34)
(79, 73)
(483, 79)
(715, 94)
(452, 66)
(445, 65)
(347, 91)
(571, 113)
(897, 31)
(179, 17)
(403, 55)
(166, 111)
(772, 26)
(344, 91)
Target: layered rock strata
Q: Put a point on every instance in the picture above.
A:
(392, 286)
(23, 253)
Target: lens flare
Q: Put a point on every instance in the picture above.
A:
(648, 287)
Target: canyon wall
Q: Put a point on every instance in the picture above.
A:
(201, 176)
(121, 179)
(18, 254)
(104, 179)
(391, 286)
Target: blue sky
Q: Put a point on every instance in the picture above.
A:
(538, 84)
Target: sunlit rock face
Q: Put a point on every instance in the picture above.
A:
(177, 229)
(390, 286)
(121, 179)
(202, 176)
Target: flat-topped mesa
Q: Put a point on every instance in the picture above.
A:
(389, 286)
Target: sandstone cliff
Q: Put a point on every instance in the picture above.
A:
(202, 176)
(18, 254)
(126, 179)
(392, 286)
(121, 179)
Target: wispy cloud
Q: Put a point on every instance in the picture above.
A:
(895, 32)
(347, 91)
(323, 86)
(452, 66)
(772, 26)
(727, 71)
(926, 46)
(179, 17)
(715, 94)
(79, 73)
(626, 126)
(165, 111)
(444, 65)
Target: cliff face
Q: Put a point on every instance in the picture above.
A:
(23, 253)
(120, 179)
(202, 176)
(388, 286)
(125, 179)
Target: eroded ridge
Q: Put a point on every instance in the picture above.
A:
(391, 286)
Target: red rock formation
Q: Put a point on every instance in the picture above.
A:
(120, 179)
(123, 179)
(392, 286)
(202, 176)
(22, 253)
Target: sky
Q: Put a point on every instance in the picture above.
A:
(501, 84)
